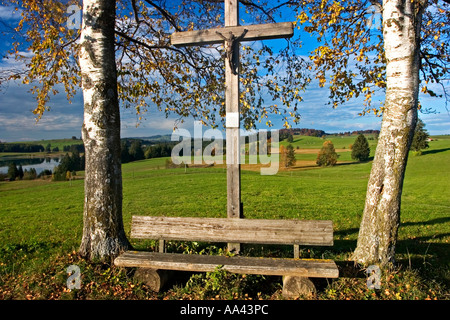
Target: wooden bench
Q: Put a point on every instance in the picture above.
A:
(295, 271)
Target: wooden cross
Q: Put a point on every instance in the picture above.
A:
(231, 35)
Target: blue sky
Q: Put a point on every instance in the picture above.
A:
(17, 122)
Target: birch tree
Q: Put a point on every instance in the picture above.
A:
(381, 218)
(103, 233)
(406, 49)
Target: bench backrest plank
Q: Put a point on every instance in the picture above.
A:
(296, 232)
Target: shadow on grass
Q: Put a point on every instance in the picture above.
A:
(339, 164)
(347, 232)
(427, 223)
(435, 151)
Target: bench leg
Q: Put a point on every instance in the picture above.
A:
(154, 279)
(294, 286)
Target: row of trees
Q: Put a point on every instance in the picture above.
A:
(361, 151)
(135, 150)
(327, 155)
(18, 173)
(285, 133)
(20, 147)
(358, 132)
(25, 147)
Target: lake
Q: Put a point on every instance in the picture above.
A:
(40, 164)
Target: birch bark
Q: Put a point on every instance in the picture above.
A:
(381, 218)
(103, 233)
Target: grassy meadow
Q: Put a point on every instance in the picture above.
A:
(41, 226)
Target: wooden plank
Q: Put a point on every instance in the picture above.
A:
(231, 8)
(298, 232)
(296, 251)
(213, 36)
(236, 264)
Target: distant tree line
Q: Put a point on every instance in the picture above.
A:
(25, 147)
(74, 148)
(68, 148)
(20, 147)
(134, 149)
(358, 132)
(285, 133)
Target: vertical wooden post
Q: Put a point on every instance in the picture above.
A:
(232, 34)
(232, 116)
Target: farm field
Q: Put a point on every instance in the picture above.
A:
(41, 221)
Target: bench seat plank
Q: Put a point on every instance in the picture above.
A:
(296, 232)
(236, 264)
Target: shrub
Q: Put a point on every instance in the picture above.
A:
(420, 139)
(289, 159)
(327, 155)
(30, 174)
(361, 149)
(13, 172)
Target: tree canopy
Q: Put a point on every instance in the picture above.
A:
(152, 74)
(350, 58)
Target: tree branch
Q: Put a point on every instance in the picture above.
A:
(153, 47)
(165, 14)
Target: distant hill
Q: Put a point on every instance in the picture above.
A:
(152, 139)
(321, 133)
(302, 132)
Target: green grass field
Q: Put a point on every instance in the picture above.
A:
(41, 221)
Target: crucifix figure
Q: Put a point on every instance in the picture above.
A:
(231, 35)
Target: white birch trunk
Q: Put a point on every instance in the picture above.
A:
(378, 231)
(103, 234)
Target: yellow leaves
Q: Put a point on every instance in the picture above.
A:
(322, 82)
(323, 51)
(302, 17)
(424, 89)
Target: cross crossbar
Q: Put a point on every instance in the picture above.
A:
(250, 33)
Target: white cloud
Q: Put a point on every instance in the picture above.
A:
(8, 13)
(19, 127)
